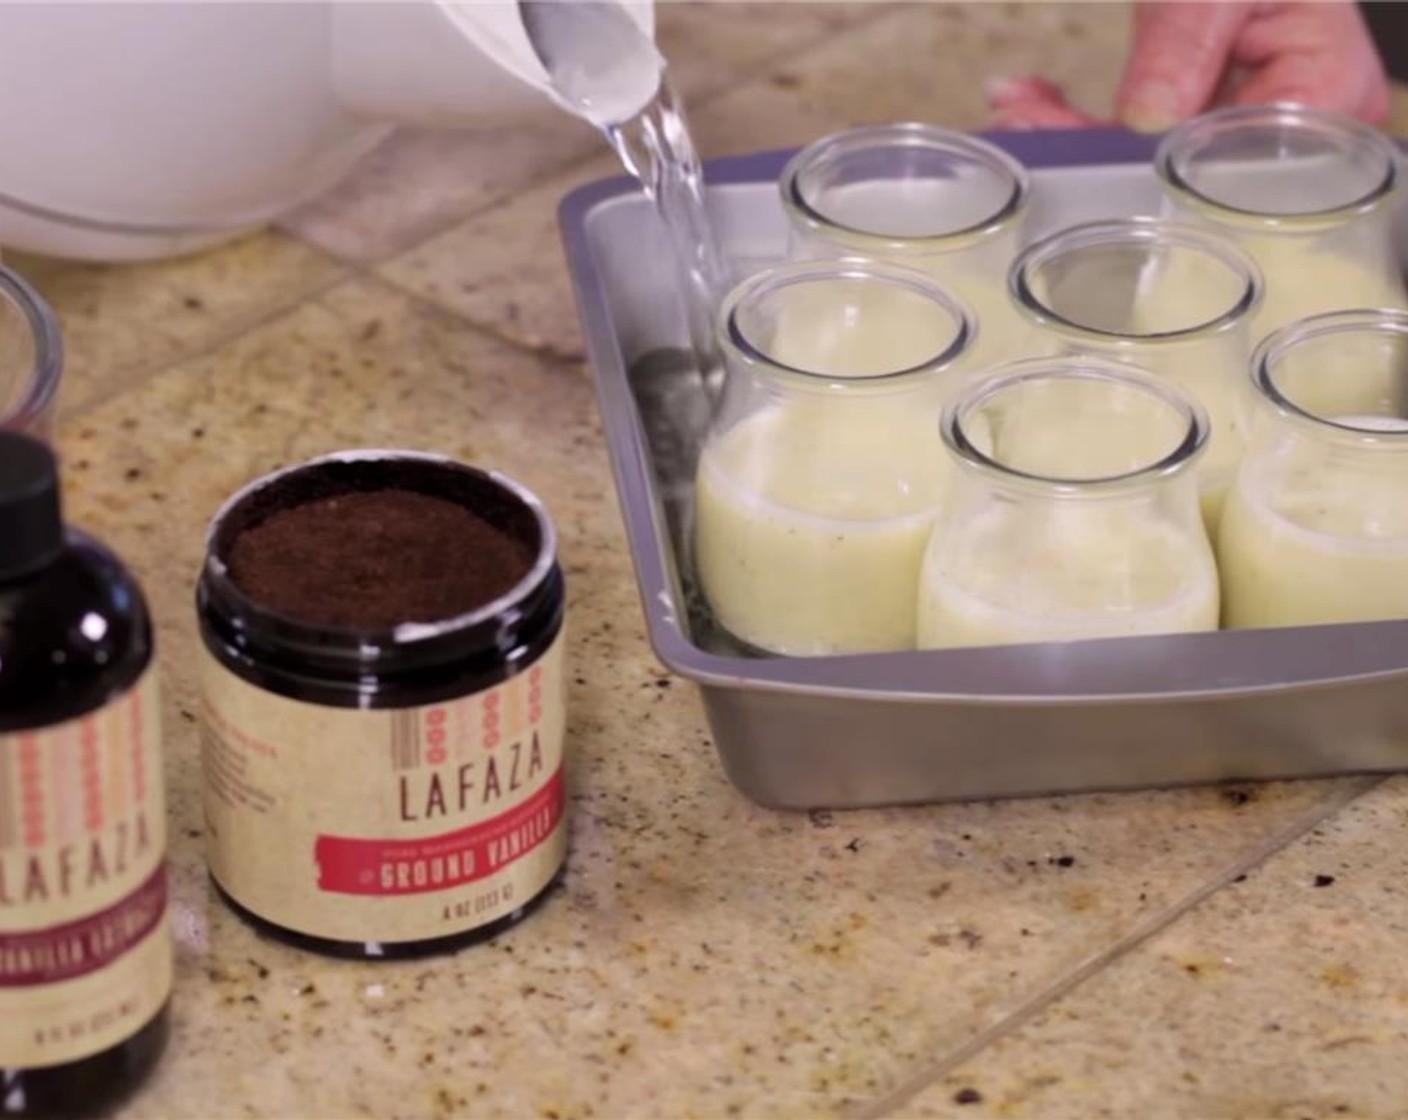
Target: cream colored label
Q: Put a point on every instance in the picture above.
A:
(386, 825)
(85, 947)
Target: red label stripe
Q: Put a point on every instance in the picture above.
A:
(31, 792)
(92, 780)
(47, 956)
(352, 865)
(139, 744)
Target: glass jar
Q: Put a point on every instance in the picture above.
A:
(1073, 512)
(1166, 297)
(1316, 525)
(818, 481)
(31, 358)
(921, 197)
(1308, 194)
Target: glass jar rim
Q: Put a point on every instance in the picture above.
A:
(736, 344)
(1074, 368)
(1134, 230)
(42, 379)
(1378, 320)
(905, 134)
(216, 573)
(1175, 147)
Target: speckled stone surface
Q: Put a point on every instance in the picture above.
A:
(1283, 996)
(121, 323)
(703, 957)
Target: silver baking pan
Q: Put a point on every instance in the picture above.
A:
(880, 729)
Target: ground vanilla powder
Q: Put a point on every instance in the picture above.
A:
(370, 560)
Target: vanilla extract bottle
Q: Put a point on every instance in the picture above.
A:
(85, 946)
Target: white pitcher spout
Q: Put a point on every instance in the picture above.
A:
(438, 62)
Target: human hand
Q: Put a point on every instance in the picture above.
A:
(1190, 57)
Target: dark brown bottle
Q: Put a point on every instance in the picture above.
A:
(85, 951)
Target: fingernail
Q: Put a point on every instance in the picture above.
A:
(1155, 107)
(1004, 89)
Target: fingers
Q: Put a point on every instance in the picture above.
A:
(1177, 61)
(1033, 103)
(1186, 57)
(1311, 81)
(1317, 54)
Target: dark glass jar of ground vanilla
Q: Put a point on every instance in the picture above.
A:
(383, 703)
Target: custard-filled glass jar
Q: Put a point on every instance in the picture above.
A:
(378, 785)
(1316, 524)
(942, 202)
(1308, 193)
(818, 481)
(1073, 512)
(1166, 297)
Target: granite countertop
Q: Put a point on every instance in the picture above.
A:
(1229, 952)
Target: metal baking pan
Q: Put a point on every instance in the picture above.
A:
(890, 728)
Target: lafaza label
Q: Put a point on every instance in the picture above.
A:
(85, 948)
(388, 825)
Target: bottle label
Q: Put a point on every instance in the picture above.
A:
(385, 825)
(85, 947)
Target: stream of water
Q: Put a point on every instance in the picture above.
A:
(656, 147)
